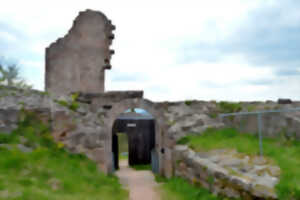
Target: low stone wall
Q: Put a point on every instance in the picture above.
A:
(282, 124)
(273, 124)
(227, 173)
(186, 117)
(12, 100)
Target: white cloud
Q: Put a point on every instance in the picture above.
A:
(8, 37)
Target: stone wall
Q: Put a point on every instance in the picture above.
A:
(284, 124)
(80, 130)
(88, 128)
(180, 119)
(227, 173)
(188, 117)
(77, 61)
(12, 100)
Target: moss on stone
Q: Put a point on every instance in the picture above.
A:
(171, 122)
(72, 105)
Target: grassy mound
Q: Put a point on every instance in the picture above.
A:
(44, 170)
(284, 153)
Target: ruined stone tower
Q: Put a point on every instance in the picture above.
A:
(77, 62)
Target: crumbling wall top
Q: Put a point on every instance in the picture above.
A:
(77, 62)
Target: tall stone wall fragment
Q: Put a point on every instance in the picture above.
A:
(77, 62)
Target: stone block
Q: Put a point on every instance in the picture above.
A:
(168, 164)
(96, 155)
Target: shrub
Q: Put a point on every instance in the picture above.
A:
(188, 102)
(229, 107)
(7, 138)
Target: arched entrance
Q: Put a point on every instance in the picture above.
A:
(116, 110)
(139, 127)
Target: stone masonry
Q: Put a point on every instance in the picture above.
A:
(77, 62)
(88, 129)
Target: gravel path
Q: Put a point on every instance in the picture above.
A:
(141, 184)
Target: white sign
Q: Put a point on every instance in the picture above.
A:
(131, 125)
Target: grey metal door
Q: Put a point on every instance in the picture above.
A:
(154, 161)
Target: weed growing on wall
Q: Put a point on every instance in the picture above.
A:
(72, 105)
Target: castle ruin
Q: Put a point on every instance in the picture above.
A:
(77, 62)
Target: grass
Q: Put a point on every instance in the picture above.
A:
(179, 189)
(251, 107)
(284, 153)
(123, 156)
(123, 142)
(49, 172)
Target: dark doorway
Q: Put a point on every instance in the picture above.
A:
(140, 130)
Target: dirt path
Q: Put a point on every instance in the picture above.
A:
(141, 184)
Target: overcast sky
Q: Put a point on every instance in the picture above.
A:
(173, 50)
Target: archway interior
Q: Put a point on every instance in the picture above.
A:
(139, 126)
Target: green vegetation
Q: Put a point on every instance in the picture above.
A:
(188, 102)
(179, 189)
(123, 146)
(183, 140)
(213, 115)
(10, 76)
(285, 153)
(72, 105)
(251, 107)
(229, 107)
(123, 156)
(123, 142)
(49, 172)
